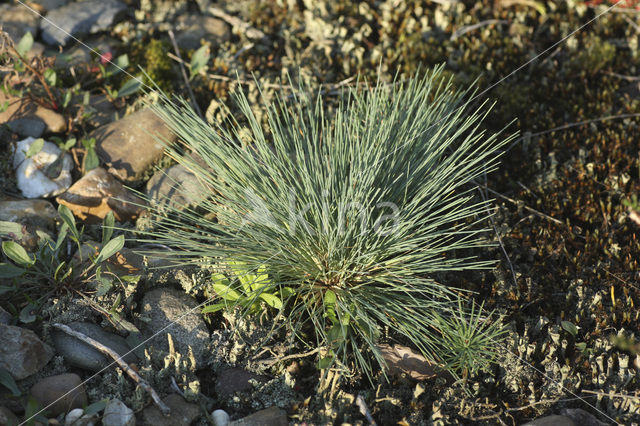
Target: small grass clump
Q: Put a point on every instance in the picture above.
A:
(344, 219)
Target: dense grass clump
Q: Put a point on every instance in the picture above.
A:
(341, 221)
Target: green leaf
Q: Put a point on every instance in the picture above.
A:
(67, 217)
(67, 98)
(107, 227)
(104, 285)
(27, 314)
(271, 300)
(570, 328)
(17, 253)
(6, 380)
(226, 292)
(210, 309)
(91, 160)
(96, 407)
(70, 143)
(325, 362)
(582, 346)
(50, 76)
(25, 44)
(4, 106)
(111, 248)
(8, 270)
(35, 147)
(219, 278)
(130, 87)
(199, 60)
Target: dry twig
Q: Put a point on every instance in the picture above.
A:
(164, 409)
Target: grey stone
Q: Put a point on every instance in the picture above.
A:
(76, 417)
(272, 416)
(220, 418)
(5, 317)
(129, 146)
(553, 420)
(27, 126)
(80, 354)
(96, 194)
(47, 5)
(7, 417)
(182, 413)
(35, 212)
(168, 307)
(116, 413)
(177, 187)
(232, 380)
(66, 387)
(22, 352)
(581, 417)
(79, 18)
(17, 20)
(193, 28)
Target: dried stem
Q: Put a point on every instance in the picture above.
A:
(164, 409)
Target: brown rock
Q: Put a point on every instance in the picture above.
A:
(272, 416)
(48, 390)
(22, 352)
(232, 380)
(401, 361)
(22, 115)
(17, 20)
(177, 187)
(182, 413)
(193, 28)
(96, 194)
(130, 146)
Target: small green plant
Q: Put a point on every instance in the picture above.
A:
(344, 218)
(35, 277)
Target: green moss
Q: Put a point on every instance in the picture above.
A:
(596, 55)
(152, 56)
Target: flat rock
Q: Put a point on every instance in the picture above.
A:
(22, 352)
(165, 306)
(32, 175)
(176, 187)
(194, 28)
(47, 5)
(182, 413)
(129, 146)
(17, 20)
(79, 18)
(35, 212)
(5, 317)
(402, 361)
(67, 386)
(97, 193)
(27, 118)
(553, 420)
(116, 413)
(272, 416)
(581, 417)
(232, 380)
(80, 354)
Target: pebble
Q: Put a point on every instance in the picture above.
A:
(194, 28)
(220, 418)
(166, 306)
(40, 213)
(129, 146)
(183, 413)
(272, 416)
(97, 193)
(48, 390)
(27, 118)
(30, 176)
(76, 417)
(234, 379)
(79, 18)
(116, 413)
(177, 187)
(22, 352)
(80, 354)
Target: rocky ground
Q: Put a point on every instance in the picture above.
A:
(567, 286)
